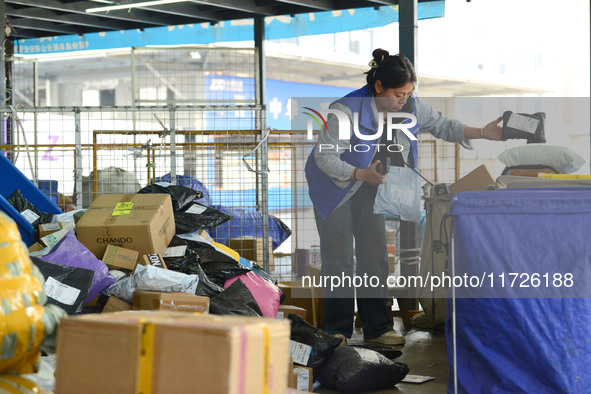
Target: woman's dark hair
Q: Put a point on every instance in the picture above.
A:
(392, 71)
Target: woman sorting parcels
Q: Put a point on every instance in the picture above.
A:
(343, 176)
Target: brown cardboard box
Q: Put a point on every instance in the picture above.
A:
(117, 257)
(285, 310)
(141, 222)
(476, 180)
(251, 248)
(169, 353)
(153, 259)
(169, 301)
(304, 297)
(277, 338)
(36, 247)
(115, 304)
(48, 228)
(304, 378)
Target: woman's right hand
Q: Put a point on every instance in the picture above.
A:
(371, 174)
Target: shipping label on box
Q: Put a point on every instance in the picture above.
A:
(117, 257)
(304, 378)
(48, 228)
(141, 222)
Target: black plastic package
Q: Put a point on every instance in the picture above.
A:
(387, 351)
(323, 344)
(190, 266)
(235, 300)
(181, 196)
(353, 370)
(220, 271)
(198, 217)
(524, 126)
(21, 204)
(65, 286)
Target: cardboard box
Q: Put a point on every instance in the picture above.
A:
(36, 247)
(285, 310)
(117, 257)
(132, 352)
(115, 304)
(304, 297)
(478, 179)
(153, 259)
(141, 222)
(78, 215)
(169, 301)
(251, 248)
(52, 239)
(304, 379)
(48, 228)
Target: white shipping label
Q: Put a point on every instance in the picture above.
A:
(29, 215)
(58, 291)
(523, 123)
(368, 355)
(51, 226)
(175, 251)
(279, 314)
(303, 378)
(163, 184)
(196, 209)
(299, 352)
(402, 195)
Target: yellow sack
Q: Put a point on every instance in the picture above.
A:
(24, 322)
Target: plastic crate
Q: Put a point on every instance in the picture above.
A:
(12, 179)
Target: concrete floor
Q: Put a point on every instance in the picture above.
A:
(424, 352)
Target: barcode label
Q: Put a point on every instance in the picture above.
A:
(29, 215)
(299, 352)
(196, 209)
(58, 291)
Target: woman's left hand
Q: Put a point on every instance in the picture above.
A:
(493, 131)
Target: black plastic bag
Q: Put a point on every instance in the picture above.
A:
(181, 196)
(190, 266)
(65, 286)
(235, 300)
(354, 370)
(387, 351)
(197, 217)
(220, 271)
(323, 344)
(207, 252)
(21, 204)
(515, 126)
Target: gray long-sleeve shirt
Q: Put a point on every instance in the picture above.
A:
(429, 120)
(329, 159)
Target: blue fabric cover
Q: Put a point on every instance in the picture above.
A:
(533, 345)
(248, 222)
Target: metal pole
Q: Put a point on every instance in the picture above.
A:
(78, 162)
(262, 185)
(172, 127)
(408, 24)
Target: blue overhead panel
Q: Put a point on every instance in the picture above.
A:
(235, 30)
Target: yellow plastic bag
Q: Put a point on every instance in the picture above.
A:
(24, 321)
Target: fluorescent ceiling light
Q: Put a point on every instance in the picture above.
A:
(133, 5)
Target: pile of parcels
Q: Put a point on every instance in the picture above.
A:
(133, 295)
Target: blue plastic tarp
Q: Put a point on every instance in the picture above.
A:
(522, 341)
(248, 222)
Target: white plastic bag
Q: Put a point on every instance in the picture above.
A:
(400, 196)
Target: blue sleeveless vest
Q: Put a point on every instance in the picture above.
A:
(324, 193)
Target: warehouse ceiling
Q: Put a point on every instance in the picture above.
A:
(44, 18)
